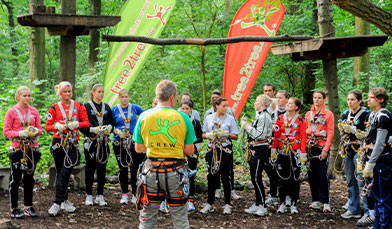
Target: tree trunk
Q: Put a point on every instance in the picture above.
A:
(203, 73)
(94, 38)
(11, 23)
(362, 63)
(68, 48)
(37, 51)
(330, 70)
(369, 12)
(227, 6)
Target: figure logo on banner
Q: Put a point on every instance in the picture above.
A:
(159, 14)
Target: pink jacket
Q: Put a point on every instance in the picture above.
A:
(12, 124)
(327, 123)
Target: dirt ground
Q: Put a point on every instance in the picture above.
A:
(119, 216)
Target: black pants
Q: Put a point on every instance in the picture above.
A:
(224, 173)
(259, 161)
(192, 164)
(122, 159)
(92, 164)
(16, 177)
(289, 172)
(318, 177)
(63, 169)
(218, 184)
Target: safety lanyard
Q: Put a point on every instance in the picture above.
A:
(356, 116)
(314, 123)
(217, 123)
(21, 118)
(98, 114)
(69, 117)
(287, 126)
(127, 120)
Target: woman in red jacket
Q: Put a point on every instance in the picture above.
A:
(64, 119)
(289, 143)
(22, 125)
(319, 136)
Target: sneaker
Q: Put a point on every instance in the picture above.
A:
(68, 206)
(282, 208)
(54, 210)
(235, 196)
(206, 209)
(288, 201)
(293, 209)
(252, 209)
(89, 200)
(30, 211)
(133, 200)
(227, 209)
(15, 213)
(100, 200)
(218, 194)
(261, 211)
(345, 206)
(366, 220)
(124, 199)
(163, 208)
(349, 215)
(315, 205)
(271, 201)
(327, 208)
(191, 206)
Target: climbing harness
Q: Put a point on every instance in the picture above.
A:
(126, 143)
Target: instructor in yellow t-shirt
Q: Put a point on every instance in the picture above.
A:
(167, 135)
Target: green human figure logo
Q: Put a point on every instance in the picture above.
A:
(165, 129)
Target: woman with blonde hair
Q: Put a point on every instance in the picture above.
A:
(64, 120)
(96, 144)
(22, 125)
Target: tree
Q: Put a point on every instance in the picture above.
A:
(362, 63)
(11, 23)
(95, 37)
(369, 12)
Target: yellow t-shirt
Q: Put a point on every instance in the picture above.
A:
(164, 131)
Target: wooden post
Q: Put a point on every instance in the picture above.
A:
(68, 48)
(330, 73)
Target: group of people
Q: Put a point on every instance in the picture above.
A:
(163, 144)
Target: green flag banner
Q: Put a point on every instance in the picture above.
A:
(126, 59)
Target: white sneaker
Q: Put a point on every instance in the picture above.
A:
(124, 199)
(163, 207)
(54, 210)
(252, 209)
(348, 215)
(68, 206)
(327, 208)
(100, 200)
(293, 209)
(133, 200)
(234, 195)
(316, 205)
(206, 209)
(89, 200)
(191, 206)
(261, 211)
(345, 206)
(271, 201)
(227, 209)
(218, 193)
(288, 201)
(282, 208)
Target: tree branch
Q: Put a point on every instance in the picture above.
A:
(201, 41)
(368, 12)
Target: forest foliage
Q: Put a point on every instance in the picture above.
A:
(182, 64)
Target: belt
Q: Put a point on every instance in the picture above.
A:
(163, 165)
(258, 142)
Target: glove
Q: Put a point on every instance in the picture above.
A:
(22, 134)
(352, 129)
(210, 135)
(360, 134)
(368, 171)
(323, 133)
(107, 129)
(244, 123)
(95, 130)
(119, 133)
(60, 127)
(31, 131)
(303, 157)
(274, 155)
(198, 147)
(341, 127)
(222, 134)
(72, 125)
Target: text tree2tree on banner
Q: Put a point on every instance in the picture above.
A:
(244, 60)
(125, 60)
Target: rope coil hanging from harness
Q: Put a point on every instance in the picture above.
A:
(126, 142)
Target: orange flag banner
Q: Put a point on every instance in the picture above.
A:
(244, 60)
